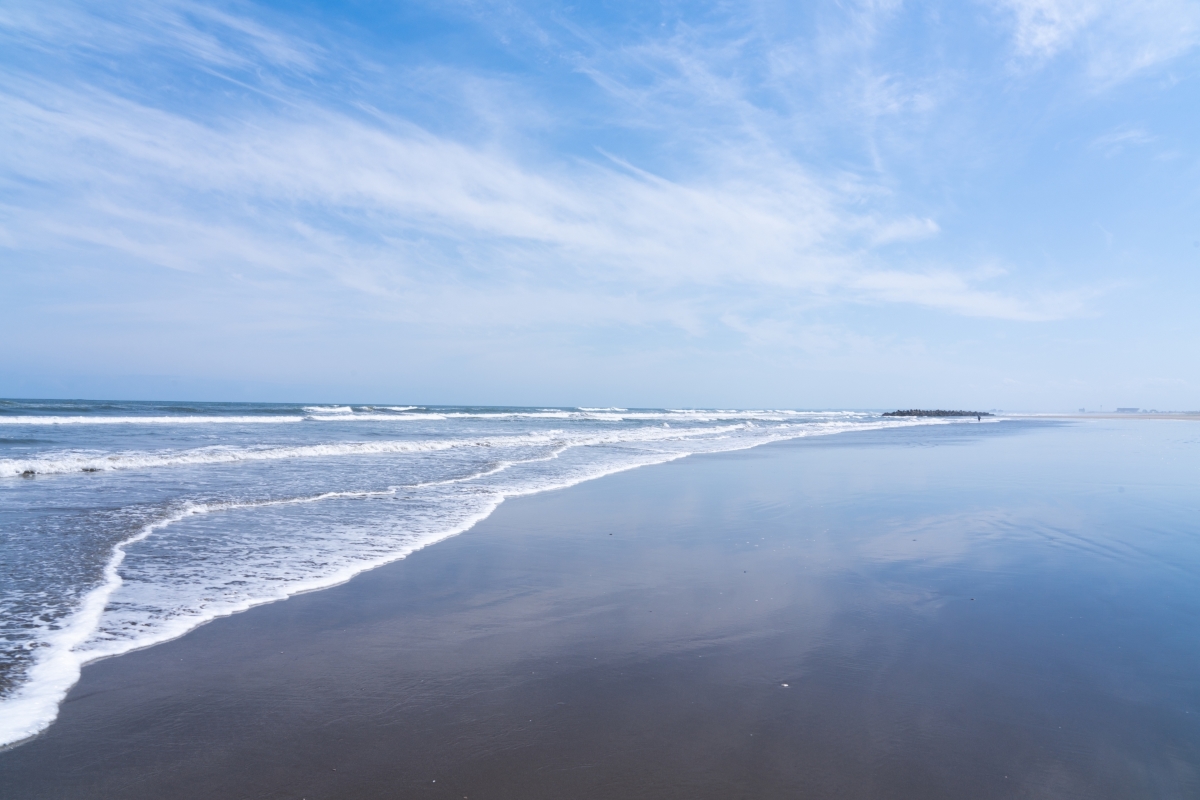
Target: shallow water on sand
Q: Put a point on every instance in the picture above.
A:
(123, 525)
(984, 611)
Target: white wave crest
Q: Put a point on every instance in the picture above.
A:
(192, 419)
(346, 413)
(70, 462)
(56, 667)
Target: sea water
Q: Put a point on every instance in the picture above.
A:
(127, 524)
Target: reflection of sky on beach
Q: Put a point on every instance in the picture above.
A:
(632, 636)
(1067, 553)
(1018, 598)
(807, 533)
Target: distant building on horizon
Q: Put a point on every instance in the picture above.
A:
(1128, 410)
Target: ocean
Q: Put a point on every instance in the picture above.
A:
(127, 524)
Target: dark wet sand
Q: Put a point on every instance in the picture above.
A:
(985, 611)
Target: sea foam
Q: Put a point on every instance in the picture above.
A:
(197, 559)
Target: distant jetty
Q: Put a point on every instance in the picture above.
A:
(921, 412)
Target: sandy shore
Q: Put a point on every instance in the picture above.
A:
(922, 613)
(1189, 416)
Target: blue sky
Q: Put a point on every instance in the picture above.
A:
(977, 204)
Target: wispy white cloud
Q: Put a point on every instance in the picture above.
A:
(1044, 28)
(1114, 142)
(1113, 39)
(954, 291)
(302, 186)
(175, 27)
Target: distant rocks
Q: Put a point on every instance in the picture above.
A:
(921, 412)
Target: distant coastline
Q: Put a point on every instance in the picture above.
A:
(920, 412)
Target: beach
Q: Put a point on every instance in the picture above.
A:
(599, 401)
(953, 611)
(1192, 416)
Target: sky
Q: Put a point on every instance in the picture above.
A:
(970, 204)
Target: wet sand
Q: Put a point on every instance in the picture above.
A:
(1193, 416)
(1003, 610)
